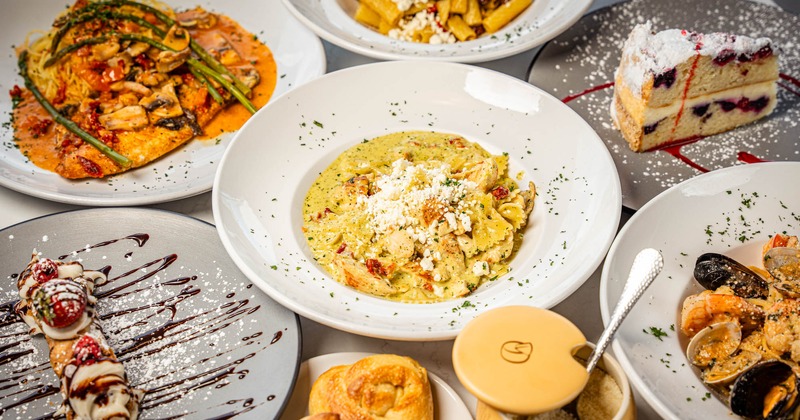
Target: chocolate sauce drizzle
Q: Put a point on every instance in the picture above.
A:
(177, 317)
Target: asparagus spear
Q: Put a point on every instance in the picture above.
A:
(119, 159)
(163, 17)
(205, 70)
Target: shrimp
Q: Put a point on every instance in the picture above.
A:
(707, 307)
(782, 328)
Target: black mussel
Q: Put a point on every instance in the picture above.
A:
(767, 391)
(714, 270)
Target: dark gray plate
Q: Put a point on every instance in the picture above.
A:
(188, 325)
(587, 55)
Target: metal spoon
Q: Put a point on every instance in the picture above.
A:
(646, 266)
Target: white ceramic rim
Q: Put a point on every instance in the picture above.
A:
(601, 237)
(461, 53)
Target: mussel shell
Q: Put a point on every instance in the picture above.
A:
(751, 388)
(714, 270)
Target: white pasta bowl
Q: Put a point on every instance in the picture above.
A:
(731, 211)
(264, 176)
(540, 22)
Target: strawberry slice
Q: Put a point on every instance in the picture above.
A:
(60, 303)
(86, 350)
(44, 270)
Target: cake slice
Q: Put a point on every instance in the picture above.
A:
(677, 85)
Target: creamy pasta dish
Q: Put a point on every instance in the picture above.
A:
(438, 22)
(416, 216)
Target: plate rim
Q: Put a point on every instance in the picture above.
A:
(615, 194)
(108, 199)
(468, 57)
(205, 225)
(605, 311)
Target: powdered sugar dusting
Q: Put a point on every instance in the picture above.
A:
(588, 55)
(189, 328)
(656, 52)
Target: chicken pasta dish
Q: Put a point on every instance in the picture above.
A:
(744, 329)
(115, 84)
(438, 22)
(416, 216)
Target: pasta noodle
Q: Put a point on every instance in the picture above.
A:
(438, 22)
(416, 216)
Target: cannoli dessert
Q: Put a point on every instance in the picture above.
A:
(57, 300)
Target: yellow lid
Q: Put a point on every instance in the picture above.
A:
(518, 359)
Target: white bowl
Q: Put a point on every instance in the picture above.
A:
(270, 165)
(540, 22)
(730, 211)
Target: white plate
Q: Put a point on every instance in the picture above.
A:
(740, 206)
(264, 176)
(186, 171)
(544, 19)
(190, 328)
(447, 404)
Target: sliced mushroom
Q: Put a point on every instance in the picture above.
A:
(220, 47)
(129, 118)
(105, 50)
(197, 17)
(166, 61)
(247, 74)
(162, 104)
(177, 38)
(151, 78)
(126, 86)
(137, 48)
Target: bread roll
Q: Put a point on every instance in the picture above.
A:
(383, 386)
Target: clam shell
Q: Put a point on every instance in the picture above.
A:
(783, 264)
(714, 342)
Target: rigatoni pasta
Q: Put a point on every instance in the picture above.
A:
(438, 22)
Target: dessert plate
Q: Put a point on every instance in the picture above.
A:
(333, 21)
(578, 67)
(186, 171)
(447, 405)
(731, 211)
(189, 327)
(264, 176)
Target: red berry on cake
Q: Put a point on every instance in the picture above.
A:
(44, 270)
(677, 85)
(86, 350)
(60, 303)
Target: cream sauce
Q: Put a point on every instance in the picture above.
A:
(424, 260)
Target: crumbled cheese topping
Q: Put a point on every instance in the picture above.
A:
(420, 21)
(407, 189)
(404, 5)
(480, 268)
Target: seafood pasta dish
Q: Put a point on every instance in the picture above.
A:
(416, 216)
(438, 22)
(744, 329)
(115, 84)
